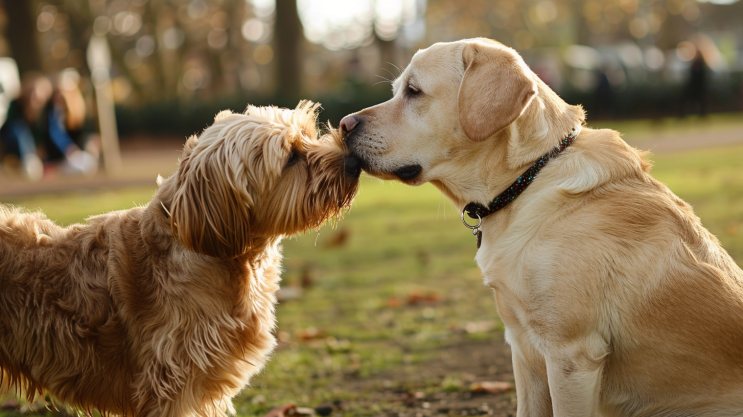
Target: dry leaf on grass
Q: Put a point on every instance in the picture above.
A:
(480, 326)
(310, 333)
(393, 302)
(288, 410)
(339, 239)
(307, 278)
(491, 387)
(419, 298)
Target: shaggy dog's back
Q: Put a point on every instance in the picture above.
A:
(114, 316)
(56, 293)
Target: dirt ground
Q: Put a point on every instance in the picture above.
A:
(472, 362)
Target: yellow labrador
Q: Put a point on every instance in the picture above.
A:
(616, 300)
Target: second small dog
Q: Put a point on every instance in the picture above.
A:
(167, 310)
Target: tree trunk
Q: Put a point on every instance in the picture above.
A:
(386, 53)
(288, 32)
(22, 34)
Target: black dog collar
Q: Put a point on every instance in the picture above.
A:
(478, 211)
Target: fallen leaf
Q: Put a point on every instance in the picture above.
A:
(339, 239)
(492, 387)
(419, 298)
(307, 279)
(282, 411)
(480, 326)
(310, 333)
(288, 410)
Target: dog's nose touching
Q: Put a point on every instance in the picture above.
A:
(348, 123)
(353, 166)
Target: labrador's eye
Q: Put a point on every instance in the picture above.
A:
(413, 91)
(293, 157)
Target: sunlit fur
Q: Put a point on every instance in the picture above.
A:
(168, 309)
(615, 299)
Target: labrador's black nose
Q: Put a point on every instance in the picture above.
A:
(353, 166)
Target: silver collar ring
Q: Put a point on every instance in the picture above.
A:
(474, 228)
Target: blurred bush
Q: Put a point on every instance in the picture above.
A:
(636, 100)
(179, 117)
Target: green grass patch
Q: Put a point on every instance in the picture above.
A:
(711, 180)
(644, 128)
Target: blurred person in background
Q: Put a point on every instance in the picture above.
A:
(36, 130)
(696, 86)
(604, 95)
(68, 100)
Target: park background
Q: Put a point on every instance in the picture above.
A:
(384, 312)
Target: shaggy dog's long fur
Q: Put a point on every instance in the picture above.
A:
(168, 309)
(616, 300)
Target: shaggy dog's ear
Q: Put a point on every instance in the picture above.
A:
(496, 88)
(207, 213)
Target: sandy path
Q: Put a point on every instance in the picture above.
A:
(142, 161)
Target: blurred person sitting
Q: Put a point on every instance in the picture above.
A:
(68, 97)
(35, 131)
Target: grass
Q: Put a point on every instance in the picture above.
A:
(712, 182)
(385, 292)
(669, 126)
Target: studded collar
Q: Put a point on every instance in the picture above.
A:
(475, 210)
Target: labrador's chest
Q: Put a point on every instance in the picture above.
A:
(519, 293)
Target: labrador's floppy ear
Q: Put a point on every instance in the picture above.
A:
(496, 88)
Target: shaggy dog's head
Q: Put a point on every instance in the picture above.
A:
(258, 174)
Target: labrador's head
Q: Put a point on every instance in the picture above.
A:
(448, 106)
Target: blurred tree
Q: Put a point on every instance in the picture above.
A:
(22, 34)
(189, 51)
(288, 33)
(386, 50)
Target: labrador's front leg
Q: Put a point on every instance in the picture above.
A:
(532, 390)
(574, 374)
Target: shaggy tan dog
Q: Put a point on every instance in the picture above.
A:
(616, 300)
(168, 309)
